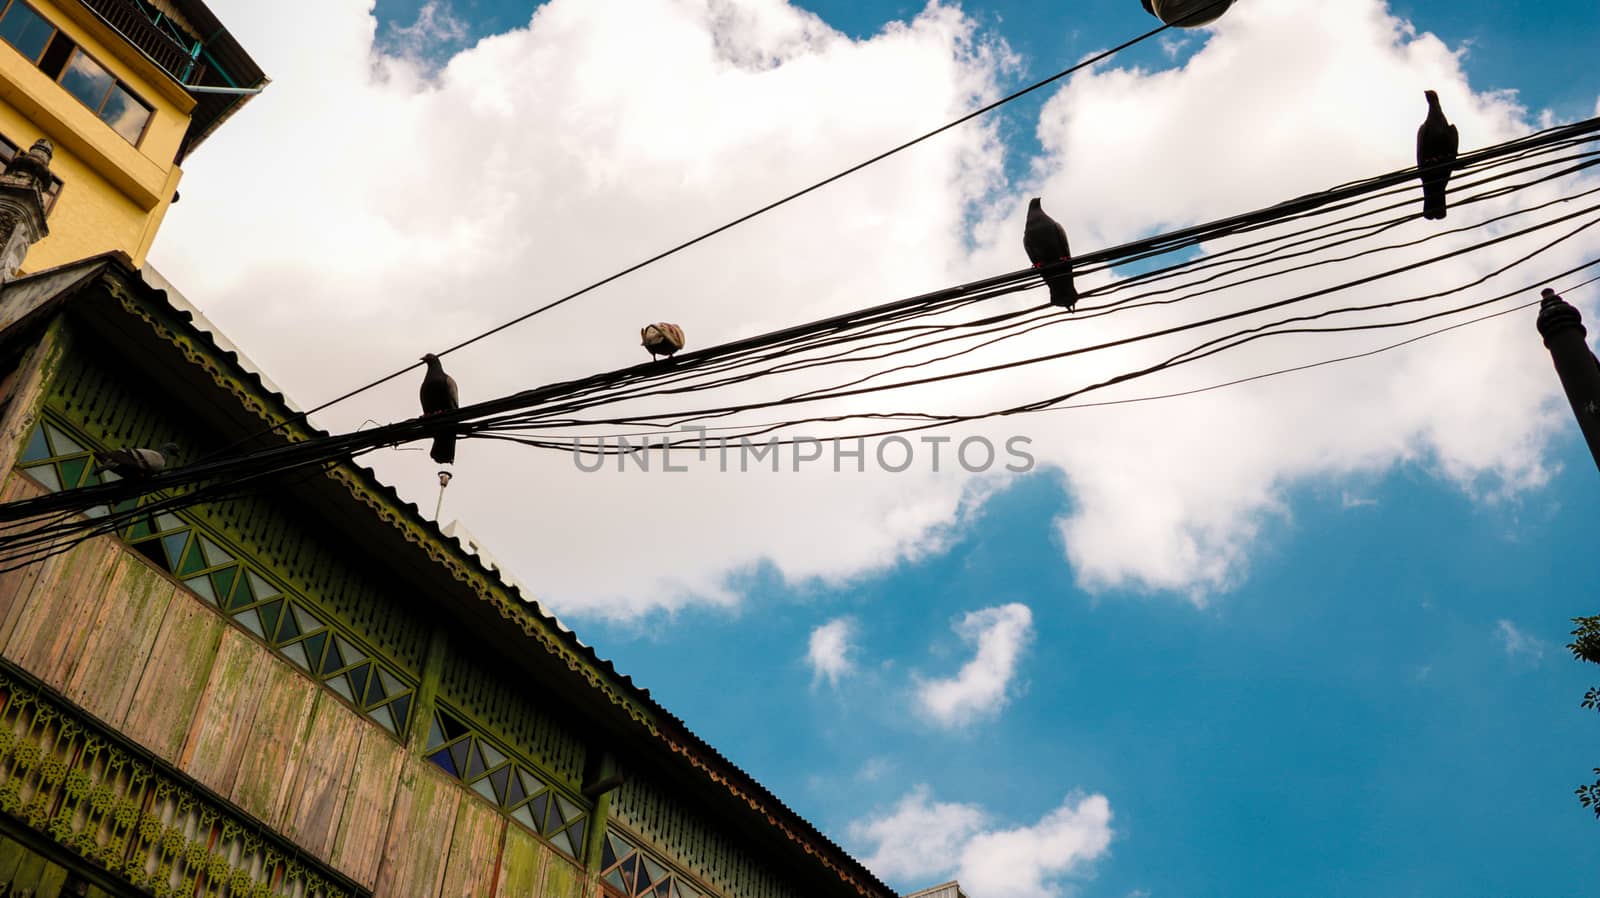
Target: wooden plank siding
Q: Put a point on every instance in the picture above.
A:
(321, 781)
(276, 739)
(126, 623)
(15, 585)
(221, 728)
(175, 677)
(475, 850)
(54, 616)
(364, 823)
(564, 879)
(120, 639)
(420, 827)
(522, 860)
(530, 867)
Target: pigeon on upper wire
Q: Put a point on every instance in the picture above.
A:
(135, 464)
(439, 395)
(1045, 241)
(1437, 142)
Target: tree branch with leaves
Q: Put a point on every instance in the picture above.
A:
(1585, 646)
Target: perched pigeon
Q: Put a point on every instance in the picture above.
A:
(439, 395)
(135, 464)
(1046, 243)
(661, 339)
(1437, 142)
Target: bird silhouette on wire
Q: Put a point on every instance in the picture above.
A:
(1437, 143)
(439, 395)
(1045, 241)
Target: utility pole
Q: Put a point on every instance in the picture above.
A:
(1579, 370)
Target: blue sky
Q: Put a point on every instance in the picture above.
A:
(1382, 705)
(1539, 53)
(1347, 722)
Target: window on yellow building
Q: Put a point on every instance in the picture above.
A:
(26, 30)
(32, 35)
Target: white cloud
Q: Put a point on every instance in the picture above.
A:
(875, 769)
(394, 210)
(919, 837)
(920, 840)
(829, 651)
(425, 209)
(1284, 99)
(1518, 644)
(1349, 500)
(980, 689)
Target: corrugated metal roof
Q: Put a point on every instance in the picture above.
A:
(951, 889)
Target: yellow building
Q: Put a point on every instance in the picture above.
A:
(124, 90)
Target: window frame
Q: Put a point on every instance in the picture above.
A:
(643, 847)
(5, 8)
(116, 82)
(473, 735)
(99, 113)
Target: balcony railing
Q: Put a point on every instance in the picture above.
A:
(131, 20)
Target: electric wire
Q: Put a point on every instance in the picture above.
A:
(998, 289)
(928, 380)
(575, 445)
(782, 201)
(875, 328)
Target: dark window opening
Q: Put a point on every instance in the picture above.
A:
(55, 56)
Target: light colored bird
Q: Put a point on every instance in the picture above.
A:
(1437, 143)
(1045, 241)
(438, 395)
(661, 339)
(135, 464)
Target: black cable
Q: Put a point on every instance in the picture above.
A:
(1099, 57)
(1056, 403)
(703, 414)
(1320, 364)
(553, 399)
(1522, 148)
(1081, 316)
(1216, 319)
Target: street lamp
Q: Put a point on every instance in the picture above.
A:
(1564, 335)
(1187, 13)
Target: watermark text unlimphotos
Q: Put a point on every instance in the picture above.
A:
(894, 454)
